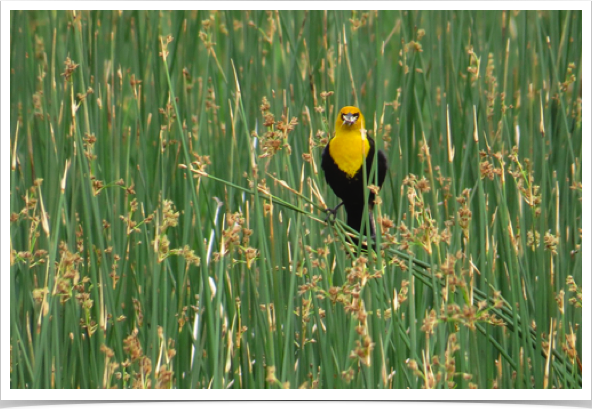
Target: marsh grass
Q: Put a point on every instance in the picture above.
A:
(167, 202)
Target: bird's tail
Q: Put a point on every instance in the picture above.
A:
(355, 215)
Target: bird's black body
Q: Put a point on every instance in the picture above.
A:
(351, 189)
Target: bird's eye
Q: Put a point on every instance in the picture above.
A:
(356, 115)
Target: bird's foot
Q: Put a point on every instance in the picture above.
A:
(332, 213)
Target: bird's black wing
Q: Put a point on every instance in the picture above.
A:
(335, 177)
(382, 163)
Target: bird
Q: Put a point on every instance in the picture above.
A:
(342, 161)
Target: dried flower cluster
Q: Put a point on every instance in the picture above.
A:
(276, 136)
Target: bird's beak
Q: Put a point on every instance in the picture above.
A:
(349, 119)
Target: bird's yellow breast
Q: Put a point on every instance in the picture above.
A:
(349, 149)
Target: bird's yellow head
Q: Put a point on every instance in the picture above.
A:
(350, 119)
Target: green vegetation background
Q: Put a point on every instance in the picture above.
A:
(167, 224)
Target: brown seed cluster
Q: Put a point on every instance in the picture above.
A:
(276, 136)
(70, 66)
(572, 287)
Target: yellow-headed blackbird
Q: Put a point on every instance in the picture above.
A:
(342, 162)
